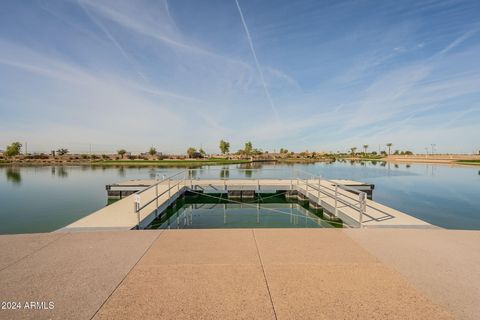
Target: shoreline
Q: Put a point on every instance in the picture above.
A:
(461, 162)
(127, 163)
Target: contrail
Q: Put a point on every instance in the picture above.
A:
(114, 41)
(250, 42)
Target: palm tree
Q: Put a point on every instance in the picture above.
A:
(353, 149)
(365, 147)
(389, 145)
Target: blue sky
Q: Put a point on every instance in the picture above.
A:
(316, 75)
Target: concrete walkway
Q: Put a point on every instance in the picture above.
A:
(244, 274)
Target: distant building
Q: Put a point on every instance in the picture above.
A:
(197, 155)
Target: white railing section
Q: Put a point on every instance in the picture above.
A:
(313, 185)
(137, 202)
(331, 189)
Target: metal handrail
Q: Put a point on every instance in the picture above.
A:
(338, 197)
(346, 196)
(159, 182)
(314, 187)
(158, 196)
(346, 188)
(361, 195)
(136, 204)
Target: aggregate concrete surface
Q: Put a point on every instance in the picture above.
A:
(243, 274)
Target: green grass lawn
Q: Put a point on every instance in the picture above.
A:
(475, 162)
(187, 162)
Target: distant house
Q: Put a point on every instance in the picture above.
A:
(197, 155)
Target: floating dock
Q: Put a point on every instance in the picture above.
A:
(141, 201)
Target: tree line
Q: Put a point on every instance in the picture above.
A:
(14, 149)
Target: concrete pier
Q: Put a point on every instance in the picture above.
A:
(244, 274)
(342, 203)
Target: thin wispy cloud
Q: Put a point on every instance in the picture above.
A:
(114, 41)
(257, 64)
(456, 42)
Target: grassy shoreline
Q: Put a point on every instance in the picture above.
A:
(168, 162)
(137, 163)
(469, 162)
(220, 161)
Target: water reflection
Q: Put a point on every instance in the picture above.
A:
(248, 168)
(224, 173)
(192, 174)
(215, 211)
(121, 172)
(14, 176)
(152, 173)
(61, 171)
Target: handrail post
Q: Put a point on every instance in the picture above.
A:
(136, 206)
(258, 212)
(191, 176)
(168, 189)
(258, 185)
(306, 187)
(336, 200)
(156, 200)
(319, 187)
(361, 203)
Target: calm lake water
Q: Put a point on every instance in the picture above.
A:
(42, 199)
(264, 211)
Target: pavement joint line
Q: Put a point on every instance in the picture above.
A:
(126, 275)
(34, 252)
(264, 275)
